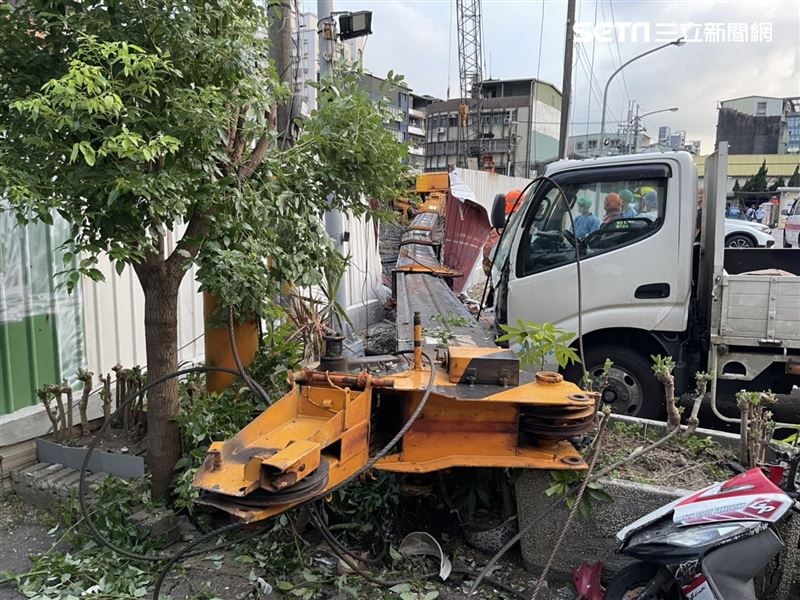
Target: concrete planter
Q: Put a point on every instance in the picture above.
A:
(591, 540)
(595, 539)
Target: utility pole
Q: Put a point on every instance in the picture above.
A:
(326, 32)
(566, 83)
(334, 219)
(281, 30)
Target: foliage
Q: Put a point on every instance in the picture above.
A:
(88, 568)
(663, 368)
(736, 186)
(794, 180)
(779, 182)
(447, 321)
(599, 383)
(136, 121)
(758, 182)
(367, 505)
(466, 492)
(206, 417)
(538, 341)
(698, 445)
(280, 352)
(564, 484)
(756, 426)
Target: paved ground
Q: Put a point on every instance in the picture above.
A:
(23, 534)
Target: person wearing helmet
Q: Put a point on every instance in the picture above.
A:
(513, 202)
(649, 206)
(628, 207)
(613, 208)
(585, 221)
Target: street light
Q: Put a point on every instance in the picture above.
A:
(679, 42)
(637, 119)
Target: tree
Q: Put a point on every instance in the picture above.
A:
(758, 182)
(794, 180)
(137, 119)
(736, 186)
(779, 182)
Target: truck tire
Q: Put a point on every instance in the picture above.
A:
(786, 243)
(632, 387)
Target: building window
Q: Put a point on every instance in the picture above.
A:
(452, 121)
(761, 109)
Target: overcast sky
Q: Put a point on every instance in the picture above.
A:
(418, 39)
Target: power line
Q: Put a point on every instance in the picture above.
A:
(591, 71)
(619, 54)
(623, 90)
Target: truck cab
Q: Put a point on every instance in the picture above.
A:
(624, 242)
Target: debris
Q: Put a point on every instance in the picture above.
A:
(422, 543)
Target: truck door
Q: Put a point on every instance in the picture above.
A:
(625, 220)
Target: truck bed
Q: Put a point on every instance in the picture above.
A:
(760, 310)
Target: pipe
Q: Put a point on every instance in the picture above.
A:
(417, 342)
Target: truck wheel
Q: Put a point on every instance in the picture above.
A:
(786, 243)
(632, 387)
(738, 240)
(630, 582)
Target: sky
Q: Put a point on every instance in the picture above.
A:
(418, 39)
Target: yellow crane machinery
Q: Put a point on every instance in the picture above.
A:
(469, 406)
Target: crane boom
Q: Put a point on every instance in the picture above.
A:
(470, 67)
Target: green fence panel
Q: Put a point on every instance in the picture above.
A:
(41, 330)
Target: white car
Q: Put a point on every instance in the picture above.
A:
(791, 227)
(747, 234)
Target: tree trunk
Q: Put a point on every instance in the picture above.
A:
(160, 286)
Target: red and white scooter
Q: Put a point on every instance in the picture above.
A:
(711, 544)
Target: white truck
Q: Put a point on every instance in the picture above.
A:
(654, 280)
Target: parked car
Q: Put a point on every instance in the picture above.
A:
(747, 234)
(791, 227)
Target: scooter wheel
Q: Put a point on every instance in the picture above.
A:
(630, 583)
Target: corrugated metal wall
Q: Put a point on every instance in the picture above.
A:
(114, 317)
(365, 292)
(47, 335)
(486, 185)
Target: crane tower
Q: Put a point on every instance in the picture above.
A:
(470, 67)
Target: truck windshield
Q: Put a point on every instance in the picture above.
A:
(599, 216)
(504, 246)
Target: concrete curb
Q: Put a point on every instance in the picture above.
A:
(49, 486)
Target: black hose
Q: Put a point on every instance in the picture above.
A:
(253, 385)
(82, 490)
(366, 467)
(184, 553)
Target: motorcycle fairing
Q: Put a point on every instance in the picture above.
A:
(730, 569)
(749, 496)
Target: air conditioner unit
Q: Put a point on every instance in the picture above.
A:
(441, 130)
(508, 120)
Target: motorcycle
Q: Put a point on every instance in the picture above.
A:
(712, 544)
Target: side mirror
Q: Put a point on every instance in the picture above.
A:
(498, 216)
(785, 212)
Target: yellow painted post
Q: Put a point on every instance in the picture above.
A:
(418, 342)
(218, 343)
